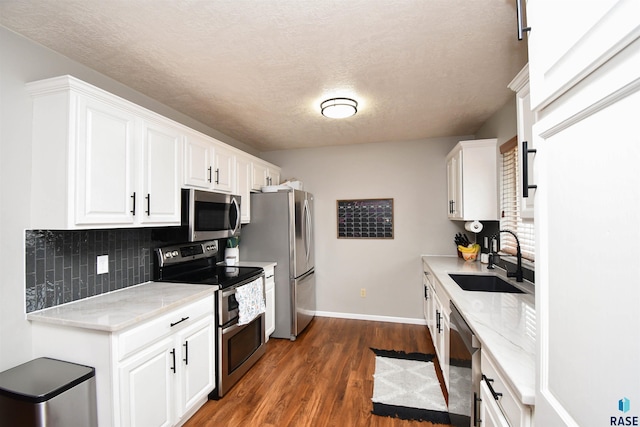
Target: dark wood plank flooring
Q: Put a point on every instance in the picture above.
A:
(324, 378)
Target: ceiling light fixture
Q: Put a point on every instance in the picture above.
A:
(339, 108)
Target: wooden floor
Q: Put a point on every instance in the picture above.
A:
(324, 378)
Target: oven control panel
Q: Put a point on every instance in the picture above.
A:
(186, 252)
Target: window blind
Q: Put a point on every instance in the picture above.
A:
(510, 205)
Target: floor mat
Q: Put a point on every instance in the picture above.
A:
(406, 386)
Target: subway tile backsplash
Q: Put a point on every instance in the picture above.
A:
(60, 266)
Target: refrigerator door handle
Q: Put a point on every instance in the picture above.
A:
(307, 231)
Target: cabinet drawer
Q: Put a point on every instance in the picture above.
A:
(139, 336)
(269, 278)
(516, 413)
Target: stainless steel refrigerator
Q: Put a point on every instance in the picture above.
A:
(281, 230)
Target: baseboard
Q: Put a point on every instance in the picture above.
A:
(357, 316)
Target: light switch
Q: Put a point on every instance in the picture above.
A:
(102, 264)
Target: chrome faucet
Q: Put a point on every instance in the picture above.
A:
(518, 274)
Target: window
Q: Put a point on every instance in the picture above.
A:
(510, 218)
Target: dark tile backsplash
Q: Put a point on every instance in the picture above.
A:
(61, 265)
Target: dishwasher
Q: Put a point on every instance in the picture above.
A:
(464, 372)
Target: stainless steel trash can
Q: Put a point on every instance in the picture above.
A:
(48, 393)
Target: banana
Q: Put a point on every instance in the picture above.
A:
(469, 249)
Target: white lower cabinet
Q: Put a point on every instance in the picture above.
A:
(441, 338)
(499, 405)
(155, 373)
(270, 297)
(490, 414)
(437, 311)
(197, 371)
(146, 387)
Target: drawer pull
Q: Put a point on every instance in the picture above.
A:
(179, 321)
(495, 395)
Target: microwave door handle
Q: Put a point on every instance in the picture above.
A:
(236, 226)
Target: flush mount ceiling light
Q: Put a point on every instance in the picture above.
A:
(339, 108)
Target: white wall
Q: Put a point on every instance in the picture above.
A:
(23, 61)
(503, 125)
(414, 175)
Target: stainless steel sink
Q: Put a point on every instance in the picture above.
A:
(484, 283)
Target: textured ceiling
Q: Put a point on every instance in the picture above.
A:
(257, 70)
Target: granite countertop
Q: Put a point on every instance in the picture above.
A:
(120, 309)
(505, 323)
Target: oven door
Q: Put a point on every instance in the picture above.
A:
(239, 348)
(210, 215)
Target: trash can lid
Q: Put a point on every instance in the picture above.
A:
(42, 379)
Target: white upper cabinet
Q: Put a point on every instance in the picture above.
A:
(526, 119)
(243, 186)
(103, 179)
(208, 164)
(160, 173)
(198, 161)
(576, 40)
(472, 185)
(100, 161)
(264, 174)
(224, 170)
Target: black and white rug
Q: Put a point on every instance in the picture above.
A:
(405, 386)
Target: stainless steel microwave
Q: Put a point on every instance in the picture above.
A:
(210, 215)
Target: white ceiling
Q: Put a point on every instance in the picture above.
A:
(257, 70)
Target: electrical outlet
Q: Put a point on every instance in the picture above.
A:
(363, 292)
(494, 245)
(486, 242)
(102, 264)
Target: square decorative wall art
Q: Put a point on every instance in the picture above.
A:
(365, 219)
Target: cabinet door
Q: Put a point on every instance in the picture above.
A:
(198, 162)
(270, 319)
(258, 176)
(104, 158)
(273, 176)
(454, 186)
(146, 387)
(490, 413)
(243, 187)
(159, 201)
(224, 177)
(431, 314)
(559, 58)
(197, 362)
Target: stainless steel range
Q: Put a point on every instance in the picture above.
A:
(238, 346)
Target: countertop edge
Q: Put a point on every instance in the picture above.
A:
(38, 316)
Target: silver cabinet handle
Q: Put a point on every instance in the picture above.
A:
(521, 28)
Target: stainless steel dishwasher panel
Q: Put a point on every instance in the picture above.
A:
(464, 371)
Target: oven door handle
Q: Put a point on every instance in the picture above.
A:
(235, 328)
